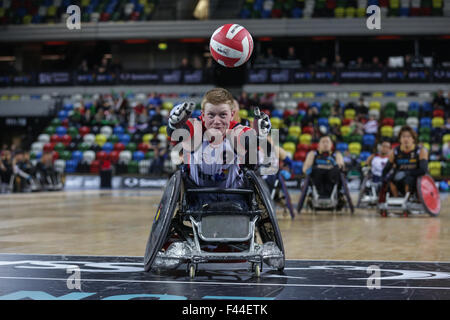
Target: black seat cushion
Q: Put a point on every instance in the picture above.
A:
(223, 206)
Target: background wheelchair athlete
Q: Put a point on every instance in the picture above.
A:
(405, 175)
(324, 172)
(372, 174)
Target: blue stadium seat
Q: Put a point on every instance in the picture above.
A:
(297, 167)
(342, 146)
(364, 155)
(138, 155)
(368, 140)
(425, 122)
(60, 131)
(77, 155)
(108, 147)
(118, 130)
(124, 138)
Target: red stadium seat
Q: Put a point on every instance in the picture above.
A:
(438, 113)
(302, 105)
(95, 166)
(388, 122)
(119, 146)
(48, 147)
(288, 113)
(114, 156)
(143, 147)
(303, 147)
(55, 138)
(101, 156)
(66, 139)
(300, 155)
(346, 122)
(314, 146)
(65, 123)
(55, 155)
(84, 130)
(266, 111)
(309, 130)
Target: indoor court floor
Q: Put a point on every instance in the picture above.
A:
(104, 233)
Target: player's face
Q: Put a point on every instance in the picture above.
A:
(325, 145)
(406, 139)
(217, 116)
(385, 148)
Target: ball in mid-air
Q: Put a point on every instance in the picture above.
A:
(231, 45)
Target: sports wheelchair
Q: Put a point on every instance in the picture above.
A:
(368, 190)
(280, 194)
(336, 201)
(218, 231)
(424, 199)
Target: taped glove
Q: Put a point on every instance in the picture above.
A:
(264, 125)
(180, 113)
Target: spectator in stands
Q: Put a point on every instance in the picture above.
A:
(446, 151)
(447, 125)
(185, 64)
(244, 100)
(407, 61)
(336, 110)
(116, 65)
(157, 165)
(358, 64)
(338, 64)
(439, 100)
(270, 58)
(5, 169)
(435, 152)
(83, 67)
(371, 126)
(376, 64)
(291, 55)
(86, 118)
(362, 108)
(322, 63)
(104, 66)
(311, 115)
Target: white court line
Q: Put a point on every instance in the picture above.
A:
(141, 257)
(229, 283)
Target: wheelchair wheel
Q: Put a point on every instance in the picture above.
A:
(362, 190)
(268, 224)
(163, 217)
(428, 195)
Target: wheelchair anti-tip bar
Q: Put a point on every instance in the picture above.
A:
(219, 190)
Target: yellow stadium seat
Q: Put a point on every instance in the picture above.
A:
(387, 131)
(349, 114)
(243, 114)
(100, 139)
(276, 123)
(51, 12)
(350, 12)
(355, 94)
(394, 4)
(163, 130)
(360, 12)
(435, 168)
(339, 12)
(346, 130)
(167, 105)
(375, 105)
(377, 94)
(305, 138)
(437, 4)
(446, 138)
(354, 148)
(289, 147)
(147, 137)
(426, 145)
(297, 95)
(309, 95)
(2, 12)
(143, 2)
(334, 121)
(85, 3)
(294, 131)
(401, 94)
(437, 122)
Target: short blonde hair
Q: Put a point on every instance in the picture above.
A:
(218, 96)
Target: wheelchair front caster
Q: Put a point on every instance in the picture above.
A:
(192, 271)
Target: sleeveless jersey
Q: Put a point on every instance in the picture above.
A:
(406, 161)
(324, 160)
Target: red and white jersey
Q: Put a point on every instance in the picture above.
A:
(378, 163)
